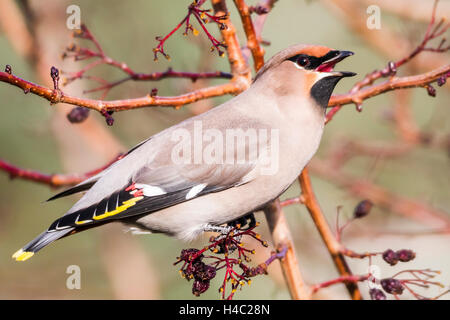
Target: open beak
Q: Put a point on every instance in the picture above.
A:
(328, 65)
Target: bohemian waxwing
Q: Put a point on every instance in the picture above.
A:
(216, 167)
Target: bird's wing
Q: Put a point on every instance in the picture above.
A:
(153, 189)
(148, 180)
(150, 189)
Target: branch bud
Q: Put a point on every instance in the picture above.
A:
(441, 81)
(54, 73)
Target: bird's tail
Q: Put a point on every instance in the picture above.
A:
(39, 242)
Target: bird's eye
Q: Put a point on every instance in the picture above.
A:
(303, 61)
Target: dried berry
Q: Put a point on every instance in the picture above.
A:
(204, 272)
(78, 114)
(8, 69)
(259, 10)
(390, 257)
(405, 255)
(431, 91)
(377, 294)
(199, 287)
(189, 254)
(362, 209)
(392, 286)
(194, 270)
(109, 121)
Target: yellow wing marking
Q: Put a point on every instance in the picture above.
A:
(22, 255)
(82, 222)
(125, 205)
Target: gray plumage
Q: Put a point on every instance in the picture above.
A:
(183, 199)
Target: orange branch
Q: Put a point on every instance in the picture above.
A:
(53, 180)
(252, 39)
(57, 96)
(281, 236)
(16, 29)
(239, 82)
(394, 83)
(239, 68)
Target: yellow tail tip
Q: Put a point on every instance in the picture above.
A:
(22, 255)
(18, 253)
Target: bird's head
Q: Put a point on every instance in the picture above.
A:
(305, 69)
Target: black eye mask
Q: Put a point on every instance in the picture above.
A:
(313, 62)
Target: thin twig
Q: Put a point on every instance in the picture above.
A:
(81, 53)
(343, 279)
(53, 180)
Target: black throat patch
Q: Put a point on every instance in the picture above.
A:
(321, 91)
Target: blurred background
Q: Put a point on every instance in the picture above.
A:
(117, 265)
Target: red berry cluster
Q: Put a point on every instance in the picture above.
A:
(195, 268)
(222, 248)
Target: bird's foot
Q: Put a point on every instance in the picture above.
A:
(224, 233)
(223, 230)
(237, 224)
(232, 230)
